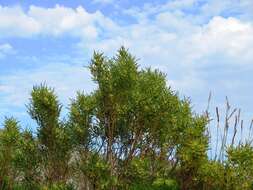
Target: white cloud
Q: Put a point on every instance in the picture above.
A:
(228, 37)
(103, 1)
(52, 21)
(174, 34)
(14, 22)
(5, 49)
(175, 38)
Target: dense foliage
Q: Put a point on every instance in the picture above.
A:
(132, 133)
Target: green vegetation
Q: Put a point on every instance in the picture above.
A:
(132, 133)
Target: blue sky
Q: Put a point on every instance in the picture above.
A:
(202, 45)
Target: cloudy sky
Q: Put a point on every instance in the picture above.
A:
(202, 45)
